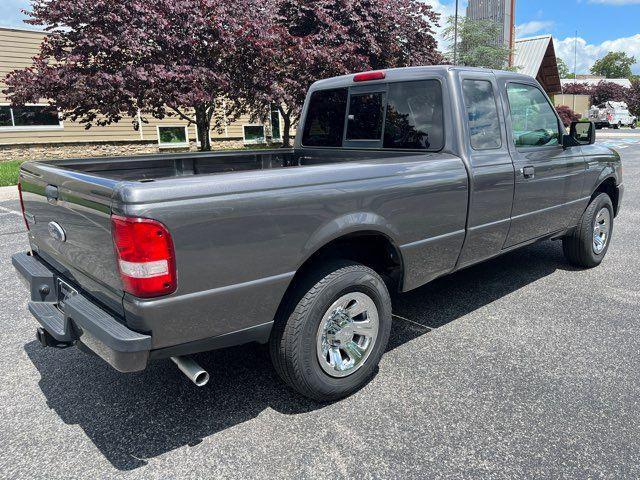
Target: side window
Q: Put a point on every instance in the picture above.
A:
(533, 120)
(414, 116)
(35, 116)
(482, 114)
(365, 116)
(324, 124)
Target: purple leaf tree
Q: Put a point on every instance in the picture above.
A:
(105, 59)
(315, 39)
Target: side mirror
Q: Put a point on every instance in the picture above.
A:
(580, 133)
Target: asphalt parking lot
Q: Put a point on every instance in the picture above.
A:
(520, 367)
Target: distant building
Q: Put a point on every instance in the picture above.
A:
(593, 80)
(535, 56)
(500, 11)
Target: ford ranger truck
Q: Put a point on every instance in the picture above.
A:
(396, 177)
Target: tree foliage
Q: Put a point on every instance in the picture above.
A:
(477, 43)
(614, 65)
(608, 92)
(563, 69)
(324, 38)
(633, 99)
(576, 89)
(605, 91)
(567, 115)
(105, 59)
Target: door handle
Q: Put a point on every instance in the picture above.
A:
(528, 172)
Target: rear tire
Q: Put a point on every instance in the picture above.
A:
(589, 243)
(300, 331)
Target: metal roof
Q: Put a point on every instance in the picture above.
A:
(535, 56)
(624, 82)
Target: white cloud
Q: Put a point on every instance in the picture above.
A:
(445, 10)
(534, 26)
(616, 2)
(587, 54)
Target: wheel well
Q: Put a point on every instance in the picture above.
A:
(609, 187)
(373, 249)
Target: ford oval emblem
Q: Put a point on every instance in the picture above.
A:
(57, 232)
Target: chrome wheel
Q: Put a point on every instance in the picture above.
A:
(347, 334)
(601, 229)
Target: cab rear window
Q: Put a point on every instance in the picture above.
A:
(324, 125)
(402, 115)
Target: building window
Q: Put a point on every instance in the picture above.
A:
(253, 133)
(276, 134)
(171, 136)
(29, 117)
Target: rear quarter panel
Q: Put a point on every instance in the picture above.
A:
(240, 237)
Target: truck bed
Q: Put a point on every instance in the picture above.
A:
(164, 166)
(151, 167)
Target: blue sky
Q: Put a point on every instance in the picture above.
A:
(602, 25)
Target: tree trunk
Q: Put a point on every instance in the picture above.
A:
(203, 125)
(286, 120)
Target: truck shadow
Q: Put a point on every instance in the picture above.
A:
(135, 417)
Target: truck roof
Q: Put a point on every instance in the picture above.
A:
(413, 73)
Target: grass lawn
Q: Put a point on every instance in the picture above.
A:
(9, 172)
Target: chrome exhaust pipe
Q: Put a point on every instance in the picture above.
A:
(192, 370)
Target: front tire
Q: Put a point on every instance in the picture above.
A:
(589, 243)
(329, 337)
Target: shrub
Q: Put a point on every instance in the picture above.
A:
(567, 115)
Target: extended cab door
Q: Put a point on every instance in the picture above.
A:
(491, 169)
(548, 177)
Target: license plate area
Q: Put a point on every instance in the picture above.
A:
(65, 292)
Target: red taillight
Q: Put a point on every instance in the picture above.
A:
(24, 217)
(366, 76)
(145, 256)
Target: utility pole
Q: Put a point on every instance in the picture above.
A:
(455, 37)
(575, 56)
(575, 65)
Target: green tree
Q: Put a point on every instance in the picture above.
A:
(477, 44)
(614, 65)
(563, 69)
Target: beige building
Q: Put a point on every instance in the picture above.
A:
(38, 124)
(578, 103)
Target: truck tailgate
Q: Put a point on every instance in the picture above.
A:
(68, 214)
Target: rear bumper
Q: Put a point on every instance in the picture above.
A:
(79, 319)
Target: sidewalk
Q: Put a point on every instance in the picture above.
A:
(8, 193)
(626, 133)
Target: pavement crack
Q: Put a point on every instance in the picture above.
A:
(404, 319)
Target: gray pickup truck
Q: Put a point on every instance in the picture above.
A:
(397, 177)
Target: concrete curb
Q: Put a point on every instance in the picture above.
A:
(626, 134)
(9, 193)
